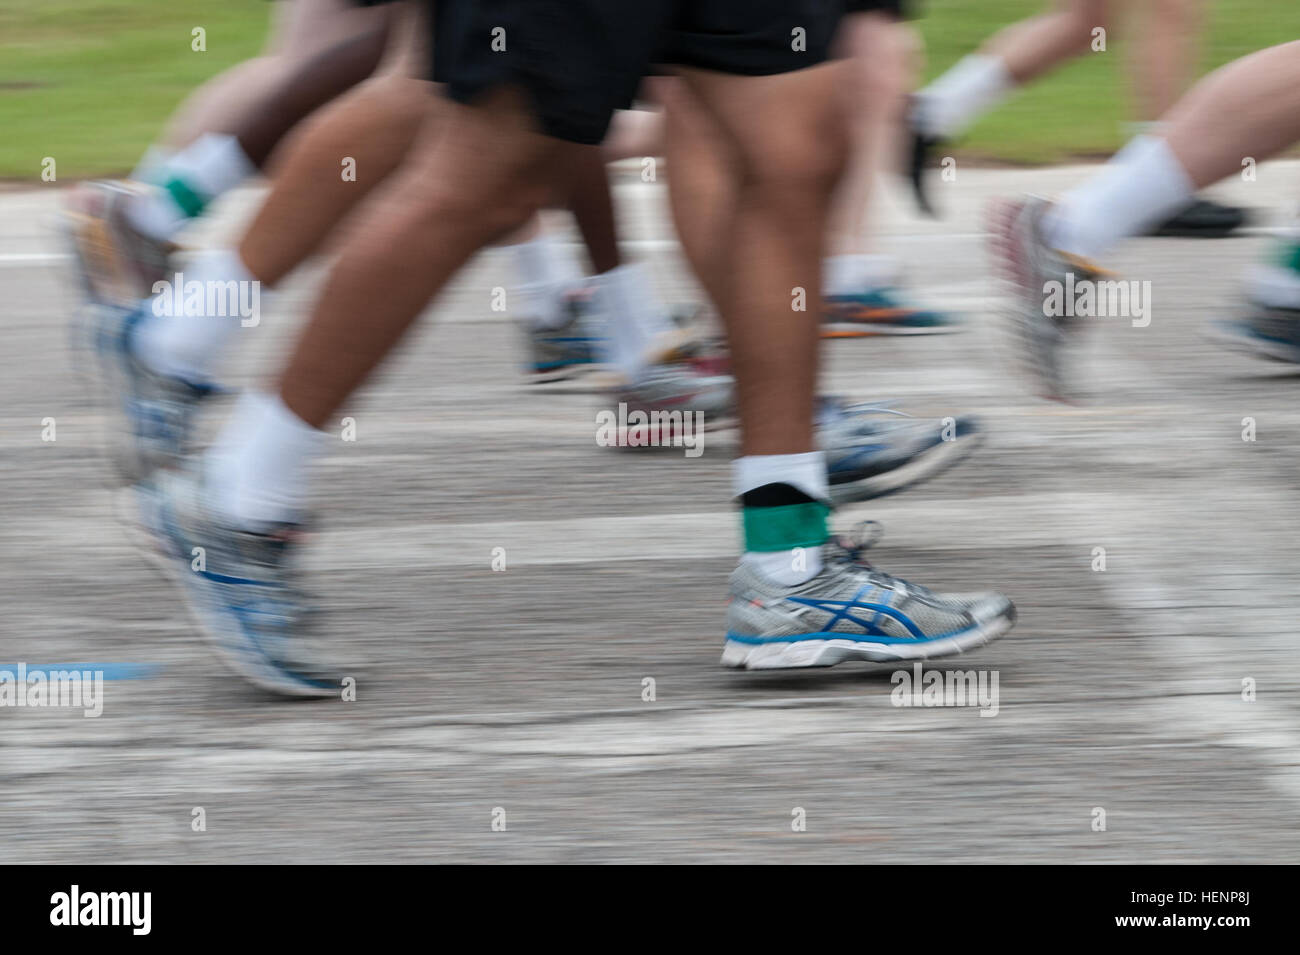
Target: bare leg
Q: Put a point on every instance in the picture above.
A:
(1035, 46)
(1250, 107)
(702, 189)
(1247, 109)
(777, 231)
(1164, 52)
(593, 207)
(1015, 55)
(375, 126)
(309, 84)
(880, 51)
(485, 177)
(305, 30)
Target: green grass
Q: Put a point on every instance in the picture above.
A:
(1081, 110)
(91, 82)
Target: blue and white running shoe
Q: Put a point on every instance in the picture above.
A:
(1266, 331)
(880, 311)
(150, 416)
(569, 350)
(852, 611)
(872, 451)
(240, 586)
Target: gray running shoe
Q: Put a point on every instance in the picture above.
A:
(853, 611)
(240, 586)
(151, 416)
(872, 451)
(1030, 264)
(1265, 331)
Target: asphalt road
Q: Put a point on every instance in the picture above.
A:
(522, 690)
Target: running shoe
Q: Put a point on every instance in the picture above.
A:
(150, 416)
(1030, 264)
(569, 350)
(1266, 331)
(880, 311)
(872, 450)
(687, 386)
(852, 611)
(241, 587)
(574, 349)
(921, 148)
(116, 263)
(1202, 219)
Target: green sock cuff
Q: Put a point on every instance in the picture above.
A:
(189, 201)
(784, 528)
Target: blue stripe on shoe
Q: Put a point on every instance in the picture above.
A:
(224, 579)
(843, 610)
(240, 613)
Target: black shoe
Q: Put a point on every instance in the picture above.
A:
(1203, 219)
(921, 147)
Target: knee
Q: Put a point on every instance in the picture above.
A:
(488, 213)
(799, 169)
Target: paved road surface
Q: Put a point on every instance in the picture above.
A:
(523, 690)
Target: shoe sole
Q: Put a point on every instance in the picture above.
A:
(574, 372)
(926, 465)
(1216, 232)
(867, 330)
(801, 654)
(244, 663)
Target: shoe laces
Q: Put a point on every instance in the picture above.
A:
(833, 411)
(849, 549)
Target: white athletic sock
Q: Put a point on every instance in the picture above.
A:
(1143, 184)
(154, 158)
(805, 472)
(952, 103)
(635, 319)
(188, 342)
(545, 274)
(156, 214)
(207, 168)
(257, 469)
(858, 272)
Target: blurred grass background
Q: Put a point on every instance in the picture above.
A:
(91, 82)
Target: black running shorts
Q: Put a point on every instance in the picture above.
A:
(899, 9)
(579, 60)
